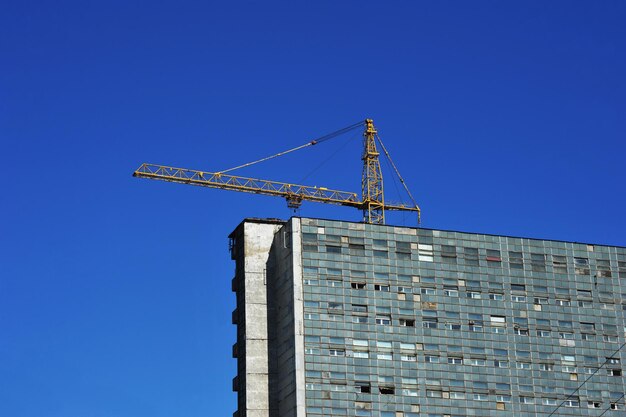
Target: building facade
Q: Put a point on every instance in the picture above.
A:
(349, 319)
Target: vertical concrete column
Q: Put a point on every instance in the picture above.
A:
(298, 312)
(258, 241)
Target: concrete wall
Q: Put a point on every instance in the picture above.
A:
(252, 243)
(286, 323)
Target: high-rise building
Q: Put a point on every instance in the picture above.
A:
(349, 319)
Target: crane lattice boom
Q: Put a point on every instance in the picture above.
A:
(292, 192)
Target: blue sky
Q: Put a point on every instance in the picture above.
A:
(504, 118)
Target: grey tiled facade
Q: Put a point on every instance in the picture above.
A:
(408, 322)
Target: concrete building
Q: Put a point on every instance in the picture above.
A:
(349, 319)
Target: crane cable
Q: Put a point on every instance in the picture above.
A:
(348, 140)
(310, 143)
(395, 185)
(400, 177)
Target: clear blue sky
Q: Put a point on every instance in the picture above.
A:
(504, 117)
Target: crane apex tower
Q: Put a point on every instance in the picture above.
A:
(338, 318)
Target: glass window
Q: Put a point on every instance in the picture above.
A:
(425, 252)
(403, 247)
(516, 260)
(448, 251)
(568, 358)
(309, 237)
(407, 322)
(471, 283)
(450, 291)
(381, 243)
(538, 262)
(559, 264)
(383, 345)
(332, 248)
(356, 249)
(452, 326)
(604, 268)
(498, 319)
(334, 283)
(543, 322)
(359, 309)
(493, 258)
(581, 266)
(429, 322)
(471, 256)
(433, 393)
(587, 326)
(518, 287)
(475, 361)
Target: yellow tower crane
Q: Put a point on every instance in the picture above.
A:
(372, 201)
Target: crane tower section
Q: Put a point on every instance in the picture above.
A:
(372, 178)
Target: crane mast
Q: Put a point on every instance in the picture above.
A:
(372, 178)
(372, 201)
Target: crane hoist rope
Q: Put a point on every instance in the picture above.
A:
(372, 201)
